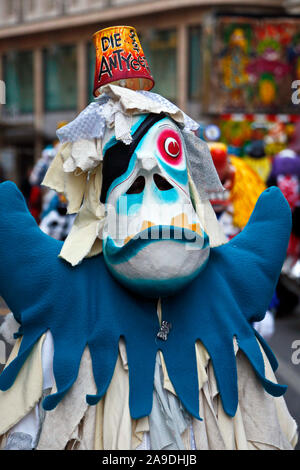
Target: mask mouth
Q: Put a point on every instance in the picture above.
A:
(158, 261)
(190, 238)
(179, 222)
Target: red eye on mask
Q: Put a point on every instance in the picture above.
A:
(170, 147)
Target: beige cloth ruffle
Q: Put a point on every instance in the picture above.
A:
(72, 423)
(82, 191)
(261, 421)
(125, 103)
(27, 390)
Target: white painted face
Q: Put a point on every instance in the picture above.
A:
(153, 241)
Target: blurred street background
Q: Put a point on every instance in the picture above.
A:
(288, 373)
(234, 66)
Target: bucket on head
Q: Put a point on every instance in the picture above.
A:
(120, 60)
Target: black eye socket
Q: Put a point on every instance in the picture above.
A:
(161, 183)
(137, 186)
(117, 157)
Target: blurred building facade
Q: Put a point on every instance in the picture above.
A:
(47, 59)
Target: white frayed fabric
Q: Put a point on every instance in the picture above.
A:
(84, 238)
(61, 424)
(82, 190)
(117, 119)
(72, 185)
(8, 328)
(19, 400)
(114, 108)
(85, 155)
(89, 124)
(138, 102)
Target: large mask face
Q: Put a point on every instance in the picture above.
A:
(153, 241)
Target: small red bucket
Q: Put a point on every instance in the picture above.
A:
(120, 60)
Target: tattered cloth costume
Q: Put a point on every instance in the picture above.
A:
(114, 383)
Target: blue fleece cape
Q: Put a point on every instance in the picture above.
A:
(85, 306)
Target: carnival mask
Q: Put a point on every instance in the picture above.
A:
(153, 241)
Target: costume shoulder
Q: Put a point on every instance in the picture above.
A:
(252, 261)
(27, 255)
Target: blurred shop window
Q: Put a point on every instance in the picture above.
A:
(195, 63)
(160, 51)
(18, 77)
(60, 65)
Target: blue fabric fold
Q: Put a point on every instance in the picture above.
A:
(85, 306)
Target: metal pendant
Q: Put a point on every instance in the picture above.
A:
(164, 330)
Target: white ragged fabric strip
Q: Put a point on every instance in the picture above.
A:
(84, 238)
(107, 111)
(85, 155)
(8, 328)
(89, 124)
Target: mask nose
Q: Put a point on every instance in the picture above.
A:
(147, 163)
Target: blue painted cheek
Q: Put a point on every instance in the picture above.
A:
(180, 176)
(129, 204)
(165, 197)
